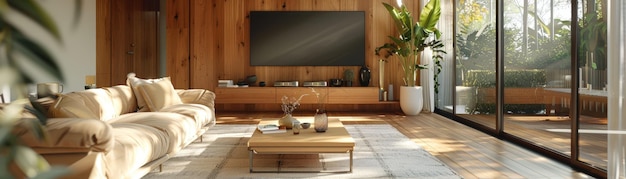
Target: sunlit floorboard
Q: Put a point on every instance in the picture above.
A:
(469, 152)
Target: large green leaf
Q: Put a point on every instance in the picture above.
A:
(396, 16)
(430, 15)
(35, 12)
(36, 54)
(30, 162)
(54, 172)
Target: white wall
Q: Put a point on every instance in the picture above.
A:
(76, 54)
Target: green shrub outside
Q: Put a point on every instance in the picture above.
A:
(512, 79)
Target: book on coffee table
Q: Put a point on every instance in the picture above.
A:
(270, 129)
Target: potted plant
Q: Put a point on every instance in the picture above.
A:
(413, 37)
(348, 76)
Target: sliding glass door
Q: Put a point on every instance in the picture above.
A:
(551, 75)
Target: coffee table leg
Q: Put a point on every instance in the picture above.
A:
(351, 161)
(251, 156)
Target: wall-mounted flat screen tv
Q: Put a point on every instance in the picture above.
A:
(307, 38)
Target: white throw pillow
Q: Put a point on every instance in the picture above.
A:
(134, 82)
(159, 94)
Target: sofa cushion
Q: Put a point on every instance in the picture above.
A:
(88, 104)
(159, 94)
(134, 82)
(179, 129)
(200, 113)
(71, 133)
(123, 99)
(135, 145)
(197, 96)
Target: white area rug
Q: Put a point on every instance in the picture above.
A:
(381, 152)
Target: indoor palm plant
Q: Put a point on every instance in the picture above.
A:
(20, 55)
(413, 37)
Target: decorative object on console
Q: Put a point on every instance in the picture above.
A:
(288, 106)
(262, 84)
(390, 92)
(381, 77)
(314, 83)
(286, 84)
(336, 82)
(226, 83)
(384, 95)
(348, 76)
(242, 83)
(90, 82)
(251, 80)
(364, 76)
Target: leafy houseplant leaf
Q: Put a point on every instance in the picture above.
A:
(14, 42)
(34, 11)
(430, 16)
(37, 54)
(30, 162)
(412, 38)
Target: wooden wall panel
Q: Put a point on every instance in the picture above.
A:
(178, 40)
(145, 42)
(103, 43)
(202, 65)
(218, 41)
(225, 25)
(235, 66)
(208, 40)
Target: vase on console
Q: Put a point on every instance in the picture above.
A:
(364, 76)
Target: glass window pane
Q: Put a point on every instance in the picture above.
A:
(475, 60)
(537, 77)
(593, 79)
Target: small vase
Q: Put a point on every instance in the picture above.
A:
(287, 121)
(321, 121)
(364, 76)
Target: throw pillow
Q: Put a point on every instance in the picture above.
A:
(159, 94)
(134, 82)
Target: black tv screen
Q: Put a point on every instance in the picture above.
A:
(307, 38)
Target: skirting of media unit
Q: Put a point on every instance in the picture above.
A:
(304, 109)
(273, 95)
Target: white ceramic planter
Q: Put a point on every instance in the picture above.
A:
(411, 100)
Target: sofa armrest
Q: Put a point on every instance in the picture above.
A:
(71, 133)
(197, 96)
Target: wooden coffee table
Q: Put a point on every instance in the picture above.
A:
(335, 140)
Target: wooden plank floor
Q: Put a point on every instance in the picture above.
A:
(471, 153)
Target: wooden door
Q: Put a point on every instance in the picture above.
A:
(134, 39)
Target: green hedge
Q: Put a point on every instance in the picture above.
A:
(527, 109)
(512, 78)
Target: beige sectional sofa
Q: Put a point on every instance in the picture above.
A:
(100, 134)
